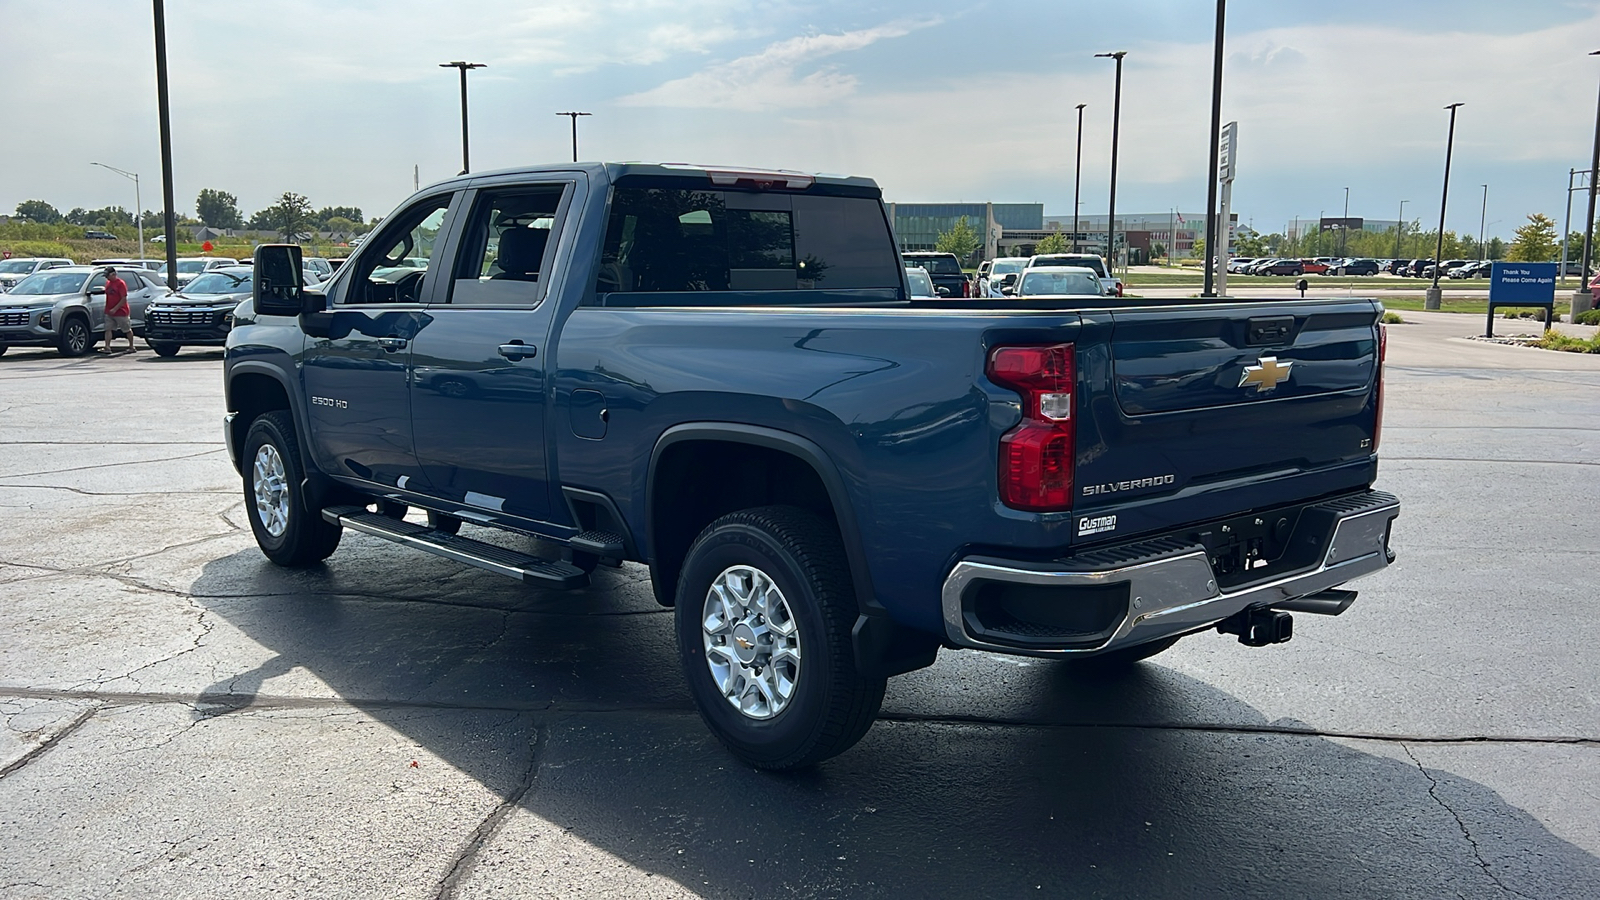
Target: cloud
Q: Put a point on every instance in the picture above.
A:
(773, 78)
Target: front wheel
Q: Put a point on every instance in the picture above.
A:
(764, 611)
(287, 529)
(164, 348)
(74, 339)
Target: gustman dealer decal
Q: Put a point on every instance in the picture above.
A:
(1096, 524)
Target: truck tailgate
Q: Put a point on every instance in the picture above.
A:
(1204, 411)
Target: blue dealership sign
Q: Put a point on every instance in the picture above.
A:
(1522, 282)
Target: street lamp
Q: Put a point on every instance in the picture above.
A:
(1588, 221)
(574, 116)
(1431, 299)
(1483, 214)
(138, 204)
(1077, 179)
(1116, 123)
(1400, 228)
(1344, 227)
(463, 66)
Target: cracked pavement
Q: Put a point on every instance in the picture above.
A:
(180, 718)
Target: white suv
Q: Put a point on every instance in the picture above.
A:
(14, 270)
(1111, 283)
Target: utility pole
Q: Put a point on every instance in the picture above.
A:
(165, 114)
(1077, 179)
(466, 165)
(1566, 227)
(1587, 302)
(1216, 139)
(1482, 214)
(1400, 228)
(574, 116)
(1432, 298)
(1344, 228)
(1116, 123)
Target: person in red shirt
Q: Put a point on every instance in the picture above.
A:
(117, 309)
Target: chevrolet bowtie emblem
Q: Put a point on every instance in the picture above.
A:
(1266, 375)
(743, 643)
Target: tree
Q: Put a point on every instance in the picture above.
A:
(290, 216)
(1199, 248)
(105, 217)
(353, 213)
(1052, 243)
(961, 240)
(1157, 249)
(39, 211)
(338, 224)
(218, 209)
(1535, 241)
(1496, 249)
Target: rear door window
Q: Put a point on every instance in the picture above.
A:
(665, 241)
(506, 250)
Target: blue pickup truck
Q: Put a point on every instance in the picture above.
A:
(721, 374)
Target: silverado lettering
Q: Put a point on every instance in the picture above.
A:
(1090, 490)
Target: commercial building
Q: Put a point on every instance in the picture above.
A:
(917, 226)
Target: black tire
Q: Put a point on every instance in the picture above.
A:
(304, 537)
(164, 348)
(1127, 656)
(443, 522)
(3, 349)
(831, 705)
(74, 339)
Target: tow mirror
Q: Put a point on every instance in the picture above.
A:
(942, 291)
(278, 287)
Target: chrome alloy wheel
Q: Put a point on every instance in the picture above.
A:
(271, 486)
(752, 642)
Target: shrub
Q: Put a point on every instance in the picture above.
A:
(1589, 317)
(1393, 318)
(39, 248)
(1555, 340)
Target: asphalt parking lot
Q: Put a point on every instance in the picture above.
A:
(184, 719)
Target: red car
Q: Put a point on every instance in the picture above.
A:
(1312, 267)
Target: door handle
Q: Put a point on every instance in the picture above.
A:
(517, 351)
(391, 344)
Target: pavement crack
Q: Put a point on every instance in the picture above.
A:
(112, 465)
(75, 490)
(467, 857)
(1477, 852)
(77, 722)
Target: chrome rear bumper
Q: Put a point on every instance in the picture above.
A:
(1171, 587)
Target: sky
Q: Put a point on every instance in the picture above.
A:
(939, 101)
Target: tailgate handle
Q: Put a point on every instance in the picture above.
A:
(1269, 330)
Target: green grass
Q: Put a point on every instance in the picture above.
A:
(1449, 304)
(1555, 340)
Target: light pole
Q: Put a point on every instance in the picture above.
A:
(1431, 299)
(1077, 179)
(1482, 214)
(1588, 221)
(164, 116)
(1344, 227)
(1400, 228)
(138, 204)
(1116, 123)
(574, 116)
(463, 66)
(1216, 139)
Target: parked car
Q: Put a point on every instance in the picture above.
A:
(1444, 268)
(17, 268)
(1111, 285)
(1478, 269)
(189, 267)
(1315, 266)
(1394, 266)
(120, 261)
(944, 269)
(95, 234)
(826, 489)
(65, 307)
(921, 285)
(989, 285)
(1354, 267)
(199, 315)
(1282, 267)
(1238, 264)
(1054, 281)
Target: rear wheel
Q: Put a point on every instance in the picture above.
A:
(764, 611)
(164, 348)
(287, 529)
(74, 339)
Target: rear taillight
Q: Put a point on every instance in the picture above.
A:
(1036, 457)
(1383, 353)
(966, 288)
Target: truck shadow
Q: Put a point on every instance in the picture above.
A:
(1097, 790)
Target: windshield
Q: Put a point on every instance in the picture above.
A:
(1087, 262)
(48, 282)
(921, 284)
(936, 265)
(187, 267)
(219, 283)
(1002, 266)
(1035, 283)
(16, 266)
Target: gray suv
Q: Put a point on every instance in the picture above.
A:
(65, 307)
